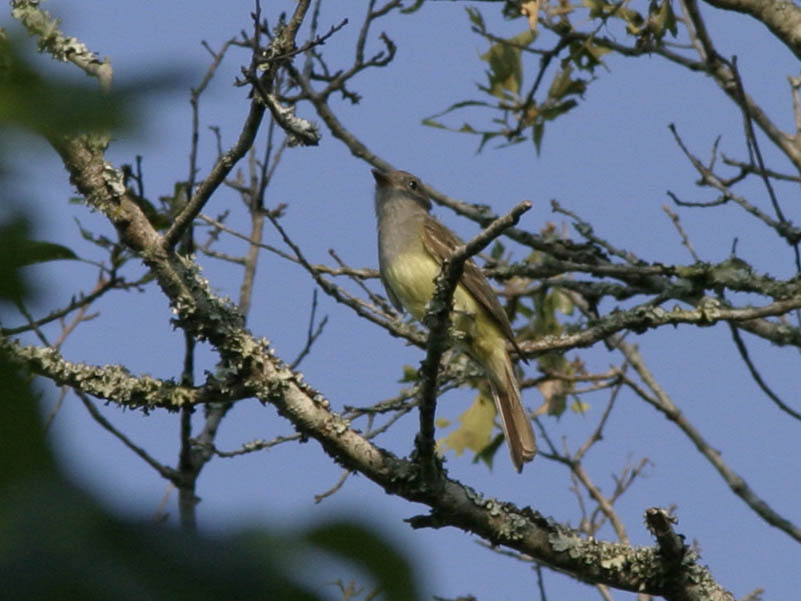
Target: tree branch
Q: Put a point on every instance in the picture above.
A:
(783, 18)
(643, 317)
(38, 22)
(114, 382)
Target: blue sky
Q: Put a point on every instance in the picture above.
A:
(611, 160)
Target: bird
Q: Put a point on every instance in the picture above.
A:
(412, 245)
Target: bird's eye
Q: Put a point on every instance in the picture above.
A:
(412, 184)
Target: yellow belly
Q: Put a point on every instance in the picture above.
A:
(412, 276)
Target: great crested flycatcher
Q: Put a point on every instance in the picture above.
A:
(411, 248)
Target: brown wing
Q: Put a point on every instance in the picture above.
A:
(440, 243)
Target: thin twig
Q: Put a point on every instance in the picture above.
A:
(750, 168)
(362, 308)
(362, 274)
(743, 350)
(783, 228)
(586, 230)
(597, 433)
(685, 239)
(249, 447)
(319, 498)
(99, 290)
(54, 410)
(165, 472)
(312, 334)
(374, 298)
(194, 101)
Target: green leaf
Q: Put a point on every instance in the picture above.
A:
(538, 130)
(580, 407)
(410, 374)
(458, 105)
(97, 240)
(553, 391)
(487, 454)
(35, 251)
(523, 39)
(486, 137)
(431, 123)
(102, 557)
(551, 112)
(506, 68)
(564, 84)
(20, 429)
(664, 19)
(512, 142)
(587, 56)
(476, 424)
(475, 18)
(598, 8)
(603, 10)
(365, 548)
(562, 302)
(413, 8)
(545, 322)
(13, 236)
(633, 19)
(497, 250)
(593, 54)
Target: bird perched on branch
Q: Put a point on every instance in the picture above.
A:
(411, 248)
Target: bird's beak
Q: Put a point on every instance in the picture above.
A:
(381, 178)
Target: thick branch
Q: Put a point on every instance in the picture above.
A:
(727, 80)
(109, 382)
(781, 17)
(708, 312)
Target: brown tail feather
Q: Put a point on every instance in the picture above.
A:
(516, 425)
